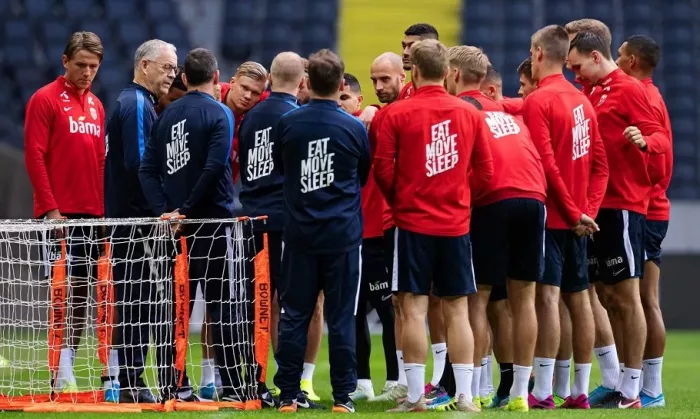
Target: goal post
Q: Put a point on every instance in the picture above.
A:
(139, 279)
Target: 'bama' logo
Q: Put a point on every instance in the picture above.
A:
(83, 127)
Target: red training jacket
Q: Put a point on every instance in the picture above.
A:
(64, 150)
(659, 208)
(517, 168)
(406, 91)
(426, 147)
(512, 105)
(225, 89)
(375, 211)
(621, 101)
(564, 129)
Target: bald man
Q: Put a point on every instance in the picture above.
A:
(261, 182)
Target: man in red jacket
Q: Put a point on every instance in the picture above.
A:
(638, 57)
(64, 154)
(508, 221)
(564, 129)
(427, 145)
(630, 133)
(527, 85)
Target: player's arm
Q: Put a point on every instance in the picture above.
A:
(37, 130)
(385, 158)
(645, 130)
(100, 149)
(481, 163)
(365, 162)
(537, 121)
(135, 124)
(512, 105)
(235, 158)
(600, 172)
(150, 173)
(217, 157)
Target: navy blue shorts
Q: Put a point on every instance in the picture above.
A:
(376, 279)
(565, 260)
(422, 262)
(498, 293)
(83, 248)
(508, 240)
(618, 248)
(655, 234)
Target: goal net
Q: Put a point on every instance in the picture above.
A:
(95, 313)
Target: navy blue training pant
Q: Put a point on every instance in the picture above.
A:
(303, 276)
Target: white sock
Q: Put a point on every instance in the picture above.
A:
(415, 375)
(365, 384)
(609, 367)
(619, 376)
(65, 365)
(484, 389)
(562, 378)
(464, 376)
(475, 383)
(582, 377)
(439, 355)
(308, 372)
(217, 379)
(489, 374)
(521, 378)
(402, 371)
(208, 374)
(113, 365)
(629, 386)
(652, 377)
(183, 394)
(544, 374)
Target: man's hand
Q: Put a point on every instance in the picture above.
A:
(367, 115)
(174, 218)
(55, 214)
(217, 92)
(634, 136)
(585, 226)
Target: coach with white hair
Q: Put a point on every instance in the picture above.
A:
(155, 68)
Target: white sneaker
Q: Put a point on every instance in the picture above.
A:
(392, 392)
(364, 391)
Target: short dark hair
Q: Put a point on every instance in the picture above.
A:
(422, 30)
(554, 42)
(525, 68)
(644, 48)
(200, 67)
(492, 75)
(326, 71)
(178, 83)
(587, 42)
(589, 25)
(353, 83)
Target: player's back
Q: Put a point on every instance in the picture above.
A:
(262, 190)
(518, 171)
(561, 112)
(323, 153)
(435, 135)
(184, 134)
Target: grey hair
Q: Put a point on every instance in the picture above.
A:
(150, 50)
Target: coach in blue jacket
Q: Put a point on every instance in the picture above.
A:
(155, 67)
(186, 170)
(323, 153)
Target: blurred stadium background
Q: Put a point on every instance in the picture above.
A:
(33, 34)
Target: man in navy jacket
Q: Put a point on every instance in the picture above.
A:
(323, 153)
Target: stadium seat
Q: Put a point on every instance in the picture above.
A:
(18, 29)
(170, 32)
(679, 11)
(241, 11)
(117, 10)
(678, 34)
(19, 55)
(38, 8)
(602, 10)
(159, 10)
(481, 11)
(519, 12)
(132, 32)
(320, 35)
(322, 11)
(288, 11)
(115, 77)
(518, 37)
(51, 30)
(96, 27)
(79, 10)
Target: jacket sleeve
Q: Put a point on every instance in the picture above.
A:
(151, 172)
(642, 116)
(365, 162)
(37, 131)
(538, 122)
(218, 154)
(481, 164)
(135, 123)
(385, 157)
(600, 172)
(100, 149)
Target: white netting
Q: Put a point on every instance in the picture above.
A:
(98, 310)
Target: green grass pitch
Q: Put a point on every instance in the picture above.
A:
(681, 387)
